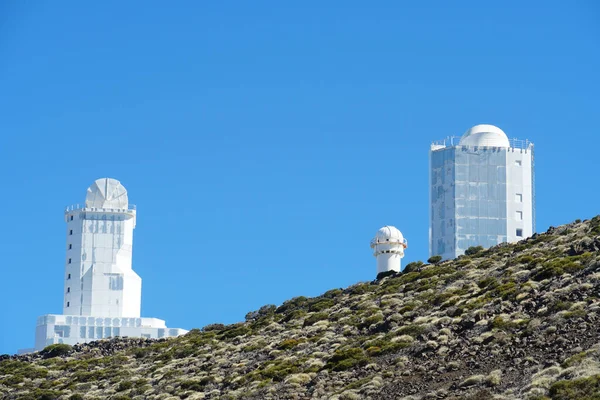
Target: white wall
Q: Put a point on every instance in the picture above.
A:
(519, 181)
(71, 330)
(99, 248)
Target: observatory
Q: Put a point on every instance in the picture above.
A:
(102, 293)
(388, 247)
(481, 191)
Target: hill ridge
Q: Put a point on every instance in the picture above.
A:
(517, 321)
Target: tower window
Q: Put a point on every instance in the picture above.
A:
(519, 232)
(71, 218)
(519, 197)
(69, 276)
(519, 215)
(70, 246)
(68, 304)
(69, 261)
(71, 232)
(68, 290)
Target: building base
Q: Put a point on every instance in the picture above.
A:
(73, 329)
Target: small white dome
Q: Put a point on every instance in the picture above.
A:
(107, 193)
(389, 234)
(484, 136)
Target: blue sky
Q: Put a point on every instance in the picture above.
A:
(264, 143)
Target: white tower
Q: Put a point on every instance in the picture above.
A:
(482, 191)
(102, 293)
(99, 280)
(388, 247)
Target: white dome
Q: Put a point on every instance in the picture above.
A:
(484, 135)
(106, 193)
(389, 234)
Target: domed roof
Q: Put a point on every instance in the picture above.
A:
(389, 234)
(484, 135)
(106, 193)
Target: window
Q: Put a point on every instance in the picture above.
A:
(518, 163)
(71, 232)
(519, 215)
(69, 276)
(70, 246)
(519, 197)
(68, 290)
(71, 218)
(68, 304)
(115, 281)
(519, 232)
(69, 261)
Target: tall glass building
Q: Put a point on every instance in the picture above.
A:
(481, 191)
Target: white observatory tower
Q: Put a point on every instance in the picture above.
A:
(388, 247)
(481, 191)
(102, 293)
(99, 280)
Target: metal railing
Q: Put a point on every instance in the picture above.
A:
(376, 241)
(451, 141)
(75, 207)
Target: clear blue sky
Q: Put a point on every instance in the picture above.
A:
(264, 143)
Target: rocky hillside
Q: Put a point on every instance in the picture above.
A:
(516, 321)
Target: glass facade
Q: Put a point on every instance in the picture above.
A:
(480, 197)
(474, 197)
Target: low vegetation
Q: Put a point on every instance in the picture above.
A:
(518, 321)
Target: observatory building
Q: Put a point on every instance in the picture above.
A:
(388, 247)
(102, 293)
(481, 191)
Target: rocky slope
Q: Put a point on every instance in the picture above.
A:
(516, 321)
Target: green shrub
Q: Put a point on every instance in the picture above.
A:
(485, 264)
(471, 251)
(277, 370)
(574, 359)
(140, 352)
(580, 389)
(385, 274)
(489, 282)
(384, 346)
(292, 304)
(373, 319)
(124, 385)
(560, 306)
(330, 294)
(197, 385)
(235, 330)
(76, 396)
(56, 350)
(414, 266)
(22, 369)
(293, 315)
(213, 327)
(289, 344)
(315, 318)
(361, 288)
(320, 304)
(434, 259)
(411, 330)
(503, 325)
(557, 267)
(507, 290)
(345, 359)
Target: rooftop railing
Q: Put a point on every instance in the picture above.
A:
(75, 207)
(452, 141)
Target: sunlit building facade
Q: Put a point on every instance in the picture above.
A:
(481, 191)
